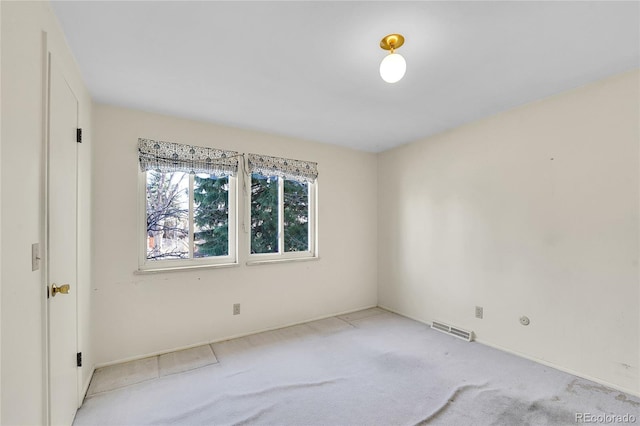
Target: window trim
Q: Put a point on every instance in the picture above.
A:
(144, 265)
(281, 256)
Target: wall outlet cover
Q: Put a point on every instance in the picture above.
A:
(479, 312)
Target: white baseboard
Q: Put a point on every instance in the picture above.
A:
(531, 358)
(222, 339)
(560, 368)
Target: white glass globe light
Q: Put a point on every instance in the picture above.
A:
(392, 68)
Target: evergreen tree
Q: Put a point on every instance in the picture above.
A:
(296, 216)
(264, 214)
(168, 215)
(211, 216)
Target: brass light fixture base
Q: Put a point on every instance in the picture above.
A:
(392, 41)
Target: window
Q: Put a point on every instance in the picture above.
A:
(189, 206)
(188, 210)
(187, 216)
(282, 210)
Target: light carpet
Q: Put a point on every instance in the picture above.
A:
(367, 368)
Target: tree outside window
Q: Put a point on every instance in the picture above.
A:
(187, 215)
(280, 215)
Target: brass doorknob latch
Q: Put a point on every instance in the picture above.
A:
(64, 289)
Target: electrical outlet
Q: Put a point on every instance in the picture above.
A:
(236, 309)
(479, 312)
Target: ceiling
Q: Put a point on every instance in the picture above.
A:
(310, 69)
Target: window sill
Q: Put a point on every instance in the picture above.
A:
(184, 268)
(286, 260)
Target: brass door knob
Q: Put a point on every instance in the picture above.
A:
(64, 289)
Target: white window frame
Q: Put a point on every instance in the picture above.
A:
(145, 265)
(281, 255)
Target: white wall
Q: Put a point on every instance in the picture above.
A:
(531, 212)
(144, 314)
(22, 215)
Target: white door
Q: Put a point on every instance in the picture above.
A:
(62, 260)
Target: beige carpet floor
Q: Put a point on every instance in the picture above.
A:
(367, 368)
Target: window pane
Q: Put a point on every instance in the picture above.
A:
(264, 214)
(296, 216)
(167, 215)
(210, 216)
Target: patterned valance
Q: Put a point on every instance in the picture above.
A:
(302, 171)
(175, 157)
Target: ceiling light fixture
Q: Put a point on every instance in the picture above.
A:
(393, 66)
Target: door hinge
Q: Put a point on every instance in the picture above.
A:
(79, 135)
(79, 359)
